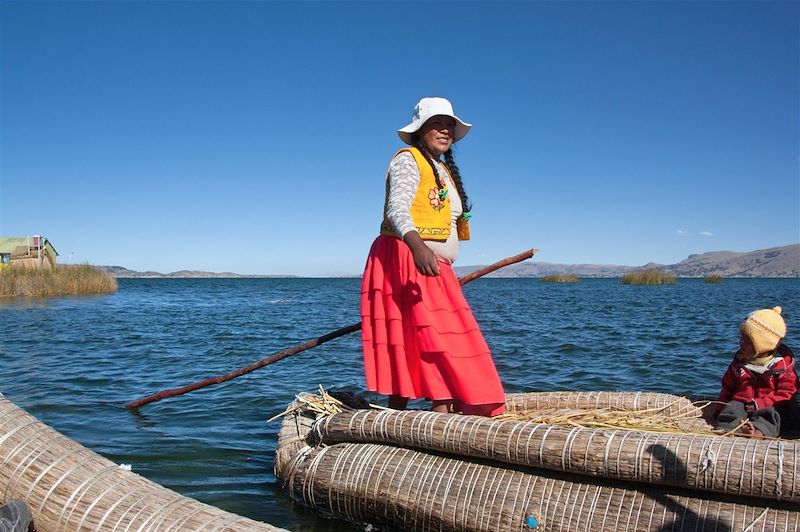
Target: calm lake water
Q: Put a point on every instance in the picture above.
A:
(74, 362)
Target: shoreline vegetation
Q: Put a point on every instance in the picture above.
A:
(63, 280)
(649, 276)
(560, 278)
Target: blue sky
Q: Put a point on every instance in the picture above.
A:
(254, 137)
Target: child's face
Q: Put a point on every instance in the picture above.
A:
(746, 349)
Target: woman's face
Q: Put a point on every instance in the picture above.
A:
(437, 134)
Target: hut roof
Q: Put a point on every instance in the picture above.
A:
(8, 244)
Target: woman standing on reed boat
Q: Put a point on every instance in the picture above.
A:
(419, 335)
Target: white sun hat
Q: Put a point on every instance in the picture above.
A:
(427, 108)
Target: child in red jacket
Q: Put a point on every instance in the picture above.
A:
(761, 381)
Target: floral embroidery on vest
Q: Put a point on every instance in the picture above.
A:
(437, 197)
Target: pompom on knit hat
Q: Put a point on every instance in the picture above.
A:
(765, 328)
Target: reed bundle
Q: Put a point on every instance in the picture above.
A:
(69, 487)
(626, 408)
(410, 490)
(698, 461)
(670, 405)
(394, 482)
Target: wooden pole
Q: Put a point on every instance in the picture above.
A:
(308, 344)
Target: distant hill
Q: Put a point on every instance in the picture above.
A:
(121, 272)
(773, 262)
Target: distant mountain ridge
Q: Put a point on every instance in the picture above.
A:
(772, 262)
(122, 272)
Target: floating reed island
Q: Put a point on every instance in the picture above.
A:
(650, 276)
(61, 280)
(70, 488)
(560, 278)
(560, 461)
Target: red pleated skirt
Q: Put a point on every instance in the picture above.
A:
(419, 335)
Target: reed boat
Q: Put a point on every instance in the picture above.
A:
(71, 488)
(560, 461)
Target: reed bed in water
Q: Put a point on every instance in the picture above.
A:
(62, 280)
(650, 276)
(713, 278)
(560, 278)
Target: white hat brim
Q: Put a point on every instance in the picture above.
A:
(406, 133)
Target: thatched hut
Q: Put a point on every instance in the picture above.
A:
(27, 252)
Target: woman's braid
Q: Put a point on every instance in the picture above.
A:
(418, 145)
(456, 174)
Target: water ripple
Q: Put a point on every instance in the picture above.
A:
(74, 362)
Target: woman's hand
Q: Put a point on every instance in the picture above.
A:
(424, 258)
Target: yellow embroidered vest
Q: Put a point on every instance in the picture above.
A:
(430, 213)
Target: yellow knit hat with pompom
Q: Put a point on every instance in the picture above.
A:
(765, 328)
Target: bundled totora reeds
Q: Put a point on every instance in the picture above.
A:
(546, 463)
(68, 487)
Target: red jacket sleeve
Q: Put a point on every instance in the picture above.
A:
(728, 387)
(785, 386)
(745, 385)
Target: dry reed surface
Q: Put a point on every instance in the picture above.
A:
(560, 278)
(538, 462)
(70, 488)
(650, 276)
(63, 280)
